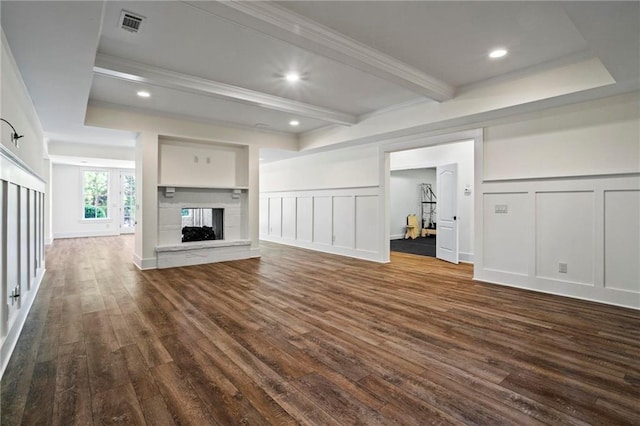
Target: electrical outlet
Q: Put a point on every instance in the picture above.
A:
(562, 268)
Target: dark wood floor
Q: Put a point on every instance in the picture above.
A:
(309, 338)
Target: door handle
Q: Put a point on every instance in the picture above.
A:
(455, 218)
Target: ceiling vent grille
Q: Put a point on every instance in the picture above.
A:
(130, 21)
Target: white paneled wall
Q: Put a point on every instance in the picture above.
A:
(21, 248)
(322, 219)
(343, 221)
(558, 205)
(506, 235)
(304, 219)
(532, 228)
(622, 240)
(565, 233)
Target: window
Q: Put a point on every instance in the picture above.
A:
(95, 191)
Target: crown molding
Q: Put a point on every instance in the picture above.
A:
(124, 69)
(281, 23)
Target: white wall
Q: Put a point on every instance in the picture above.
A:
(404, 197)
(68, 204)
(327, 201)
(69, 149)
(17, 108)
(151, 130)
(591, 138)
(570, 179)
(342, 168)
(23, 182)
(461, 153)
(315, 181)
(194, 164)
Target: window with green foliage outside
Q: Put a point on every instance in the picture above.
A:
(95, 194)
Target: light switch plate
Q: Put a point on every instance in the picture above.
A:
(501, 208)
(562, 268)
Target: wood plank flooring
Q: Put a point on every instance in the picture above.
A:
(299, 337)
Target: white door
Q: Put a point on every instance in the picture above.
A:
(447, 213)
(127, 203)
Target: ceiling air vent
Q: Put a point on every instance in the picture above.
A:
(130, 21)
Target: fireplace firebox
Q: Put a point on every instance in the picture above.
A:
(202, 224)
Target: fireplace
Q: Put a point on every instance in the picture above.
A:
(220, 219)
(202, 224)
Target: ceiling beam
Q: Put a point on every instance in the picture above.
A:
(125, 69)
(281, 23)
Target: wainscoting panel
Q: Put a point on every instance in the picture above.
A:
(622, 240)
(565, 233)
(3, 238)
(289, 218)
(577, 237)
(21, 247)
(506, 232)
(322, 220)
(24, 238)
(32, 238)
(367, 219)
(304, 219)
(344, 229)
(343, 221)
(275, 216)
(13, 254)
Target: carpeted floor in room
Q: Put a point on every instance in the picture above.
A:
(424, 246)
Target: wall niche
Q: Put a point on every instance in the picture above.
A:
(197, 164)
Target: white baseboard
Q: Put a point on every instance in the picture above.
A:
(620, 298)
(144, 264)
(324, 248)
(396, 237)
(85, 234)
(465, 257)
(48, 241)
(10, 341)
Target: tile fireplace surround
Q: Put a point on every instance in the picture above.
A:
(172, 252)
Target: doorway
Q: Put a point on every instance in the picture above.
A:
(412, 192)
(453, 160)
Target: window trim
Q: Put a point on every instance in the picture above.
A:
(82, 205)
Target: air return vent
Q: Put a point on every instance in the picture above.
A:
(130, 21)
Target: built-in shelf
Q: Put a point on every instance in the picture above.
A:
(168, 185)
(199, 245)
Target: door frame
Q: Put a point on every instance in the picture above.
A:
(418, 140)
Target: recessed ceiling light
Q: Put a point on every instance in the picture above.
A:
(144, 94)
(292, 77)
(497, 53)
(294, 123)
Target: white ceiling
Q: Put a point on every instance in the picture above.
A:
(223, 62)
(450, 40)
